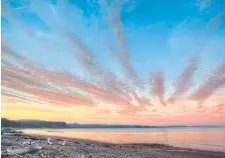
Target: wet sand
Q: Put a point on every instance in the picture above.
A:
(59, 147)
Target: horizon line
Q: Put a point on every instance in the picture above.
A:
(172, 125)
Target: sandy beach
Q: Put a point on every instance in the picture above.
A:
(16, 144)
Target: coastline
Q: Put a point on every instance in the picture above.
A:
(56, 147)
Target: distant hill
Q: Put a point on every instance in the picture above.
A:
(32, 124)
(8, 123)
(49, 124)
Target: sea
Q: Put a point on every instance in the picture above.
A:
(197, 138)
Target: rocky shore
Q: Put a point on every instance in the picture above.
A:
(17, 144)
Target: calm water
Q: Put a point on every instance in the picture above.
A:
(201, 138)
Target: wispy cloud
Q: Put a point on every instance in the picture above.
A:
(220, 108)
(10, 53)
(202, 4)
(184, 81)
(122, 55)
(84, 55)
(215, 80)
(158, 86)
(15, 97)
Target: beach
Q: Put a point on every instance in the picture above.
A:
(17, 144)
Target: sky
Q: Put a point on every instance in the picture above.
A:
(152, 62)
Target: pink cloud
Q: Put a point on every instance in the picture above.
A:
(158, 87)
(9, 52)
(52, 86)
(220, 108)
(214, 82)
(184, 81)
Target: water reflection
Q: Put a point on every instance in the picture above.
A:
(208, 139)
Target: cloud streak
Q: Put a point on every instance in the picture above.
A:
(158, 86)
(123, 56)
(184, 82)
(10, 53)
(84, 55)
(215, 81)
(202, 4)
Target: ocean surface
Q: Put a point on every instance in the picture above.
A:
(198, 138)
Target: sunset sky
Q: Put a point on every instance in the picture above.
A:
(149, 62)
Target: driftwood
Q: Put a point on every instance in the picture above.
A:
(49, 142)
(21, 151)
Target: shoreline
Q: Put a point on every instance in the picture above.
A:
(56, 146)
(120, 144)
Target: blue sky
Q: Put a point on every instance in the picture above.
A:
(160, 35)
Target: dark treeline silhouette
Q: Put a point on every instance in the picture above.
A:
(32, 124)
